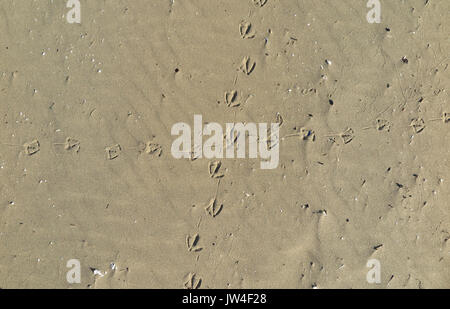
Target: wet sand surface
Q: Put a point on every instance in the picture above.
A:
(86, 170)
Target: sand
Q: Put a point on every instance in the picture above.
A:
(86, 170)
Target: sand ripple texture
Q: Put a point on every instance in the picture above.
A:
(86, 170)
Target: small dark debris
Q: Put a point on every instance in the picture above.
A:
(305, 206)
(321, 212)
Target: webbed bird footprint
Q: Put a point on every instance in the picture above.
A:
(113, 152)
(213, 209)
(418, 124)
(247, 65)
(260, 3)
(213, 168)
(192, 282)
(246, 31)
(348, 135)
(32, 147)
(72, 144)
(231, 98)
(191, 243)
(152, 148)
(446, 117)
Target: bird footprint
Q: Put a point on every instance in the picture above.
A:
(113, 152)
(348, 135)
(213, 168)
(418, 124)
(247, 65)
(191, 243)
(245, 28)
(192, 282)
(72, 144)
(260, 3)
(213, 209)
(152, 148)
(231, 98)
(32, 147)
